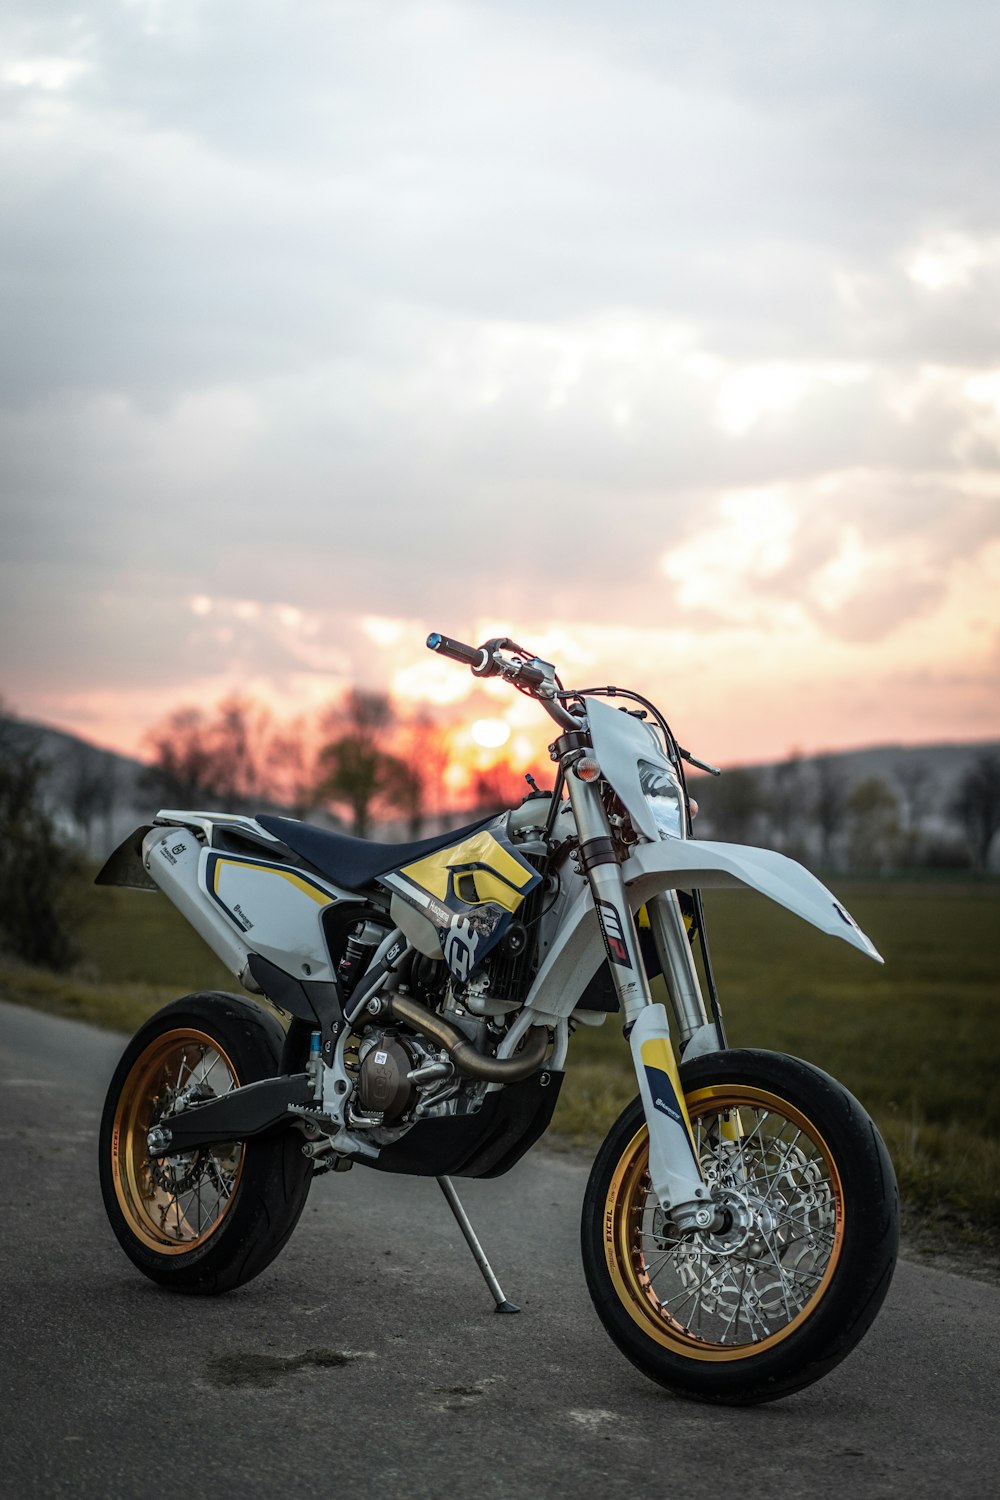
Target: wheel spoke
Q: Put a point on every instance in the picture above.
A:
(173, 1203)
(745, 1283)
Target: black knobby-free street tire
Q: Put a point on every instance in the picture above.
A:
(787, 1290)
(212, 1219)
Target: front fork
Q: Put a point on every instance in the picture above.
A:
(674, 1168)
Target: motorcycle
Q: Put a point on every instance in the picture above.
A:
(412, 1011)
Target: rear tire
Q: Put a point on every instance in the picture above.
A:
(772, 1303)
(207, 1220)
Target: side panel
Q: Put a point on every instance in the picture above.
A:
(172, 858)
(685, 864)
(463, 898)
(242, 905)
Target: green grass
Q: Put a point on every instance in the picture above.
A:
(137, 953)
(917, 1041)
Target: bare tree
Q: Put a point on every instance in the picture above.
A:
(215, 756)
(291, 767)
(91, 777)
(500, 786)
(976, 804)
(238, 738)
(787, 805)
(874, 830)
(914, 779)
(423, 746)
(735, 803)
(829, 804)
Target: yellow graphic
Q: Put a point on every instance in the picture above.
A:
(321, 897)
(474, 887)
(658, 1053)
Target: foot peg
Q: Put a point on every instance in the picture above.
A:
(502, 1304)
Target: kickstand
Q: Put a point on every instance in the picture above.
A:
(502, 1305)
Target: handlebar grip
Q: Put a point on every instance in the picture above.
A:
(470, 656)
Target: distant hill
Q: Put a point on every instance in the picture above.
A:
(95, 796)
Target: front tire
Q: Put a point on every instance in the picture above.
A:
(777, 1299)
(206, 1220)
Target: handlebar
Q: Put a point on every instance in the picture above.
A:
(476, 657)
(487, 661)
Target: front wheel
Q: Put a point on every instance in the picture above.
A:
(784, 1292)
(211, 1219)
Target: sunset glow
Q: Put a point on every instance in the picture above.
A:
(720, 424)
(490, 734)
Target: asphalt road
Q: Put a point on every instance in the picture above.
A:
(367, 1361)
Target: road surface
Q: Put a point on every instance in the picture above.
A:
(367, 1361)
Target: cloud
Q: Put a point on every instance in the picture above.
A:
(475, 312)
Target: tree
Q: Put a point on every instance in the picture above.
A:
(829, 803)
(423, 746)
(91, 786)
(500, 786)
(874, 831)
(291, 767)
(787, 805)
(214, 757)
(976, 804)
(913, 776)
(182, 769)
(357, 771)
(34, 863)
(734, 803)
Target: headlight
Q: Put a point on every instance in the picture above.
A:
(663, 793)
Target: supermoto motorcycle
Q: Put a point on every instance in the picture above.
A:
(415, 1005)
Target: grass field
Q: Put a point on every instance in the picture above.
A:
(917, 1041)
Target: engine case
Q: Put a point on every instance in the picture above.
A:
(383, 1087)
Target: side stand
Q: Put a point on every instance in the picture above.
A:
(502, 1305)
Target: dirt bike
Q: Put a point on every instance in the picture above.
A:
(413, 1012)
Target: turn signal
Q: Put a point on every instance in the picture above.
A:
(587, 768)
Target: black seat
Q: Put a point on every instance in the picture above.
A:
(354, 863)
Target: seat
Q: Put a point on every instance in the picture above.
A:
(355, 863)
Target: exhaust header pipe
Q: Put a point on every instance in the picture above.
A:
(461, 1051)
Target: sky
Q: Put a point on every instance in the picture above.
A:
(663, 339)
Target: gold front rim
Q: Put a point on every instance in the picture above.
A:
(730, 1295)
(175, 1203)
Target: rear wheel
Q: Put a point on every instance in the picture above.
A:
(788, 1288)
(210, 1219)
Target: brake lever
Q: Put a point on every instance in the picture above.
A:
(693, 760)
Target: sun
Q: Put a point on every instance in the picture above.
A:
(490, 733)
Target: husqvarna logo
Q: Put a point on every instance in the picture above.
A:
(460, 946)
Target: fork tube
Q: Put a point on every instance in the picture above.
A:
(677, 962)
(600, 866)
(673, 1161)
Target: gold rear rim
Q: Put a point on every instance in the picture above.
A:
(734, 1294)
(173, 1204)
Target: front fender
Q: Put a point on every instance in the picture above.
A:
(685, 864)
(693, 865)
